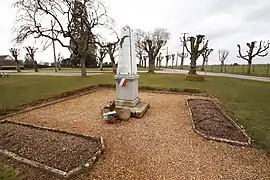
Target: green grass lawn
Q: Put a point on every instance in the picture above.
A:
(246, 100)
(8, 173)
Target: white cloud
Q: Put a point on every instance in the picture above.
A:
(225, 23)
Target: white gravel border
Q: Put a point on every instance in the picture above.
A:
(55, 171)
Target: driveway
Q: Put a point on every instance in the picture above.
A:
(50, 73)
(178, 71)
(164, 71)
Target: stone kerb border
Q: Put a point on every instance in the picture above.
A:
(59, 173)
(215, 138)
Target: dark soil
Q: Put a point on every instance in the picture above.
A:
(210, 121)
(54, 149)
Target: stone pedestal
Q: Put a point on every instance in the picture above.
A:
(127, 96)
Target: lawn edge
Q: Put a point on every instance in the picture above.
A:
(54, 99)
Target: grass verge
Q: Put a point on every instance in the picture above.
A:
(8, 173)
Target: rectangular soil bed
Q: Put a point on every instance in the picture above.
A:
(212, 123)
(60, 150)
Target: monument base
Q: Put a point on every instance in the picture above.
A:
(127, 103)
(138, 111)
(127, 96)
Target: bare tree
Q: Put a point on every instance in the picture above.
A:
(102, 52)
(205, 55)
(251, 52)
(76, 20)
(223, 54)
(173, 57)
(59, 61)
(167, 57)
(31, 54)
(152, 43)
(159, 60)
(15, 53)
(112, 48)
(182, 56)
(139, 38)
(144, 61)
(195, 51)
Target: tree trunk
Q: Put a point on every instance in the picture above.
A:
(203, 64)
(113, 65)
(267, 70)
(151, 64)
(176, 61)
(82, 62)
(140, 62)
(249, 67)
(193, 65)
(159, 66)
(145, 63)
(101, 65)
(167, 63)
(59, 66)
(35, 66)
(172, 63)
(18, 65)
(157, 63)
(182, 63)
(221, 67)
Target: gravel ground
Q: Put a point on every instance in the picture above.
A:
(162, 145)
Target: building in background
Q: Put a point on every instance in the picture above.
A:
(7, 63)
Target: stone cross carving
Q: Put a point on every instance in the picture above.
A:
(127, 58)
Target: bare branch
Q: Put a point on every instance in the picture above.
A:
(240, 54)
(261, 51)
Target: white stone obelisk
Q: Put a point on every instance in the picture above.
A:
(127, 95)
(127, 77)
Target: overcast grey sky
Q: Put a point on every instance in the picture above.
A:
(225, 23)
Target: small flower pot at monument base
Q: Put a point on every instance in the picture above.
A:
(111, 120)
(110, 117)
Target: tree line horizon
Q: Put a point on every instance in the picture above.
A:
(83, 17)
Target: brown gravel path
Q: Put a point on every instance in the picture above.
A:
(162, 145)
